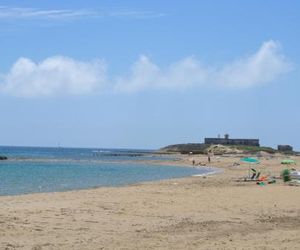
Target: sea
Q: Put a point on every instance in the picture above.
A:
(43, 169)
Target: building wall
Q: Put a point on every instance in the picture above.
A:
(285, 148)
(223, 141)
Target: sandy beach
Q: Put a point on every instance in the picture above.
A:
(211, 212)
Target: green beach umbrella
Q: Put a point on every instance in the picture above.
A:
(250, 160)
(288, 161)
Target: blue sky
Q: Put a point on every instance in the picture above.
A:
(144, 74)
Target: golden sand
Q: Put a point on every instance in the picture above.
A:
(213, 212)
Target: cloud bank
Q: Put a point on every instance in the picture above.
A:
(65, 76)
(262, 67)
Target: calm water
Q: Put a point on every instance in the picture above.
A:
(31, 170)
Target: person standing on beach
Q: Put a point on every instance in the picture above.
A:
(208, 158)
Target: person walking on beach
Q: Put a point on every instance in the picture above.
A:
(208, 158)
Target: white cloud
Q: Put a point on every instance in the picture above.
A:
(137, 14)
(30, 13)
(65, 76)
(145, 74)
(21, 13)
(54, 76)
(264, 66)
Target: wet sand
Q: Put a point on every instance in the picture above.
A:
(213, 212)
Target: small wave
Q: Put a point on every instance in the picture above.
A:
(211, 171)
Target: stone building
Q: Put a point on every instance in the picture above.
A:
(227, 141)
(284, 148)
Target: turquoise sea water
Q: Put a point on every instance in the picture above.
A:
(31, 170)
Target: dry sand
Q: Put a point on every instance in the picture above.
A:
(215, 212)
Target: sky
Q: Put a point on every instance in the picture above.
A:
(146, 74)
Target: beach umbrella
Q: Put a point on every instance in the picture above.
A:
(250, 160)
(288, 161)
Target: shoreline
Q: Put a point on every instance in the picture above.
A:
(162, 163)
(201, 212)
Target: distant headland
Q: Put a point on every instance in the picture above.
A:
(225, 145)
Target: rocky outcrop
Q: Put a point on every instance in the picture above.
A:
(188, 148)
(201, 148)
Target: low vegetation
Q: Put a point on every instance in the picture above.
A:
(201, 148)
(253, 149)
(286, 175)
(195, 148)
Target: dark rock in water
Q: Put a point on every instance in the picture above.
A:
(3, 158)
(119, 154)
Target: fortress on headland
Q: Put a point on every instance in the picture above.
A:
(227, 141)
